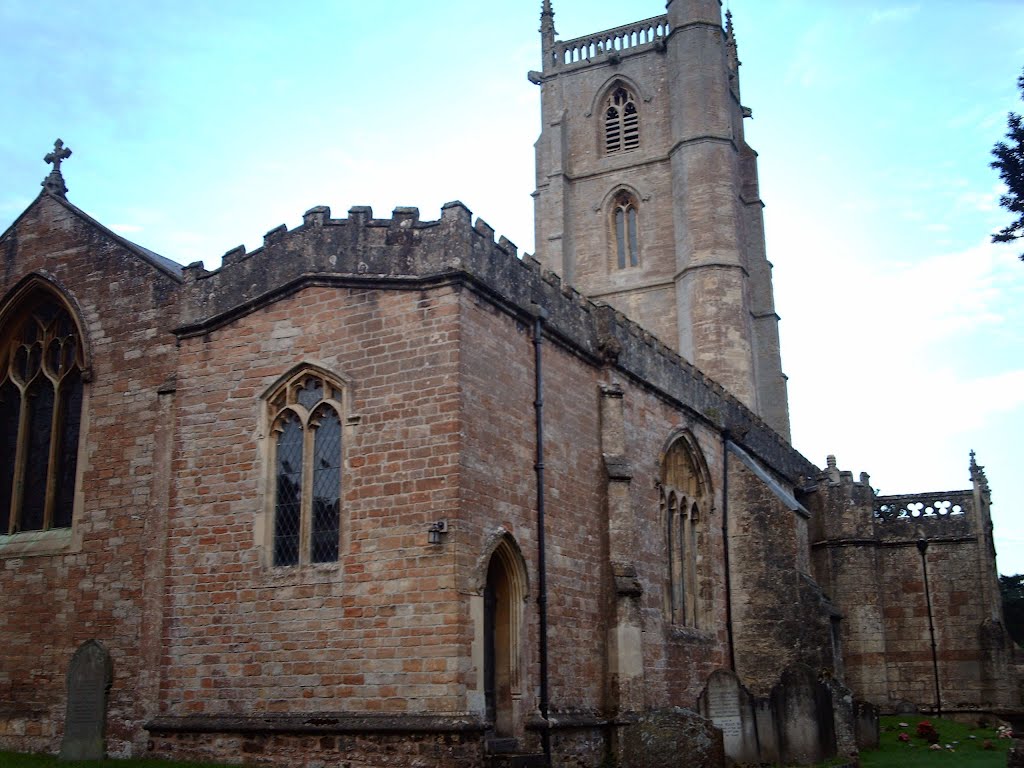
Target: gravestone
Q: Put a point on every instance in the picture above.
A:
(90, 675)
(767, 732)
(867, 725)
(727, 704)
(668, 738)
(804, 717)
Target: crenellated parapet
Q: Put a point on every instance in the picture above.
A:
(328, 249)
(405, 253)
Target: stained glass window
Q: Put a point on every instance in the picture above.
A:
(40, 415)
(306, 414)
(288, 501)
(326, 487)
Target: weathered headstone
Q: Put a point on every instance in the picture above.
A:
(804, 717)
(767, 732)
(90, 675)
(729, 706)
(867, 725)
(667, 738)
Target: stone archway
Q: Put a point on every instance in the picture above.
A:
(504, 592)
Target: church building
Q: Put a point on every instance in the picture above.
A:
(386, 491)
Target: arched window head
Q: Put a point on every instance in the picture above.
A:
(306, 448)
(621, 121)
(684, 494)
(625, 227)
(41, 387)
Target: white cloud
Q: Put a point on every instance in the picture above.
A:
(897, 14)
(126, 228)
(985, 202)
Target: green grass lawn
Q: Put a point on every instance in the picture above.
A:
(967, 742)
(15, 760)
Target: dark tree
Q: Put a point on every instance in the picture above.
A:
(1009, 162)
(1012, 590)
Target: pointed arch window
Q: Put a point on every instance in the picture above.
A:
(625, 228)
(621, 121)
(306, 461)
(684, 500)
(41, 388)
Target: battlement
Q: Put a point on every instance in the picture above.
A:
(405, 253)
(630, 38)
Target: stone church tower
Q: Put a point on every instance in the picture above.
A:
(647, 194)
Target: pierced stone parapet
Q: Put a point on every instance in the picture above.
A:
(649, 33)
(937, 515)
(924, 506)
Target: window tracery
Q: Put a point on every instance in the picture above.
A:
(683, 500)
(621, 121)
(41, 389)
(625, 227)
(306, 447)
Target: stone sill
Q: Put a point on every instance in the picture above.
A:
(33, 543)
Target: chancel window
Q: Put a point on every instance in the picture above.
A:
(621, 121)
(41, 391)
(684, 502)
(624, 226)
(306, 448)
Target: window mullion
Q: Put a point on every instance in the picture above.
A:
(20, 459)
(306, 506)
(56, 433)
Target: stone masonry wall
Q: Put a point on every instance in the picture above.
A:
(780, 615)
(419, 319)
(104, 581)
(500, 489)
(866, 554)
(381, 629)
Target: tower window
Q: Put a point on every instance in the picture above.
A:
(621, 122)
(625, 226)
(305, 417)
(40, 415)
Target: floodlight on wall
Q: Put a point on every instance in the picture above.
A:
(435, 531)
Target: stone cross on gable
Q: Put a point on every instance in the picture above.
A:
(54, 183)
(59, 153)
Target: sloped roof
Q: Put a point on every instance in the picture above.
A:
(170, 268)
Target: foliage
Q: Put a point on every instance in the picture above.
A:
(17, 760)
(1012, 590)
(1009, 162)
(960, 746)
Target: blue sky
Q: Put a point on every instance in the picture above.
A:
(198, 126)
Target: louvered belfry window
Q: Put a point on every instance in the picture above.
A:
(40, 415)
(621, 122)
(306, 431)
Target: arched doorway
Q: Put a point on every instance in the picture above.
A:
(503, 593)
